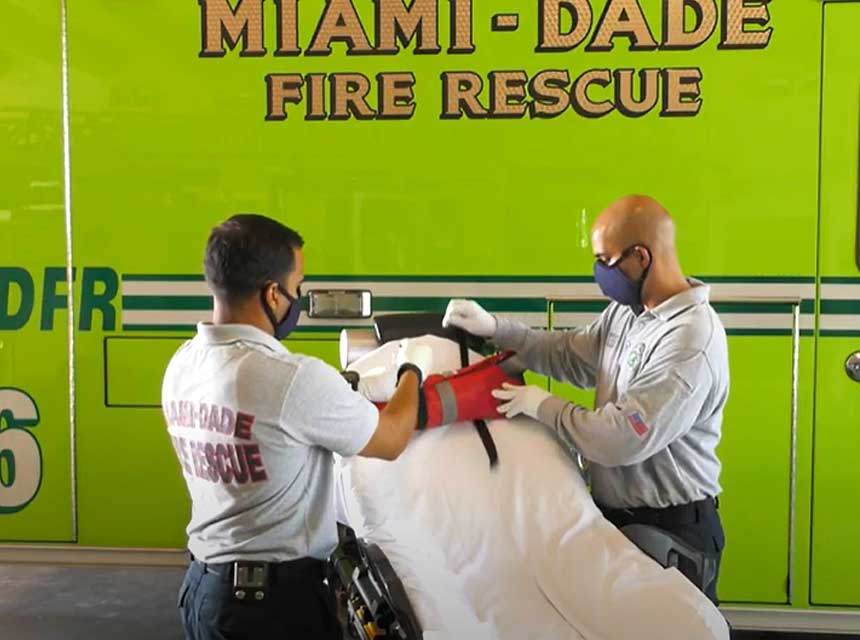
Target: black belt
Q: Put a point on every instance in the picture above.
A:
(278, 571)
(676, 515)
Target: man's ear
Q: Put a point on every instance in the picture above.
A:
(645, 257)
(271, 294)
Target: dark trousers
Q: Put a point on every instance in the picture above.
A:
(297, 604)
(698, 524)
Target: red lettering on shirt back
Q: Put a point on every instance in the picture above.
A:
(222, 462)
(213, 461)
(203, 415)
(227, 421)
(255, 463)
(243, 425)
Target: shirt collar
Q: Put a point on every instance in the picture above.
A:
(227, 333)
(698, 293)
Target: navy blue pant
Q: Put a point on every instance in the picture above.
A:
(297, 605)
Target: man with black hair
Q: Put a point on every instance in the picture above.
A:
(254, 427)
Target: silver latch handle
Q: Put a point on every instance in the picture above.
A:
(852, 366)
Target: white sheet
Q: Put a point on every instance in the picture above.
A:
(519, 552)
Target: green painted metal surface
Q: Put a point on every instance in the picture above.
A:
(836, 501)
(35, 441)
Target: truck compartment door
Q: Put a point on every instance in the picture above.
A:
(836, 475)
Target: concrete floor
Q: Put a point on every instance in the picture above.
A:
(86, 603)
(97, 603)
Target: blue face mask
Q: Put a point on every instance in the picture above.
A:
(617, 286)
(291, 319)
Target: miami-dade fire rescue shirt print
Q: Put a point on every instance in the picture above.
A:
(254, 427)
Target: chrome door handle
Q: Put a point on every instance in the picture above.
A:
(852, 366)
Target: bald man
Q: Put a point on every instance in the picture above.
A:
(658, 361)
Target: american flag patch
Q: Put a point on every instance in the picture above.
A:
(637, 424)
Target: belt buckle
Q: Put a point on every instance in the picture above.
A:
(250, 580)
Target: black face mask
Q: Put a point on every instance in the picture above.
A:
(291, 318)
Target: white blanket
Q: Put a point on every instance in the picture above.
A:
(520, 552)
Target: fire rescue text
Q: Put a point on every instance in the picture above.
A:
(256, 28)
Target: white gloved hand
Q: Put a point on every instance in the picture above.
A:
(415, 353)
(470, 316)
(520, 399)
(377, 385)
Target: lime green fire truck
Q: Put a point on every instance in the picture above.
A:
(427, 149)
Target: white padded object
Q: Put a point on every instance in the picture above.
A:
(519, 552)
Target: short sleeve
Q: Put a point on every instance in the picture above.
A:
(321, 409)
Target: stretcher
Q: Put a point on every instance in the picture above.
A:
(519, 550)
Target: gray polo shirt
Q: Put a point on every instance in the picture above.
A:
(253, 427)
(661, 381)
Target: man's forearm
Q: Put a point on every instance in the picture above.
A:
(399, 419)
(550, 353)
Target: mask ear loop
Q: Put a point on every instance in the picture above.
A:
(287, 295)
(625, 254)
(640, 307)
(290, 299)
(268, 310)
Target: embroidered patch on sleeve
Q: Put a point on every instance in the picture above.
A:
(637, 424)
